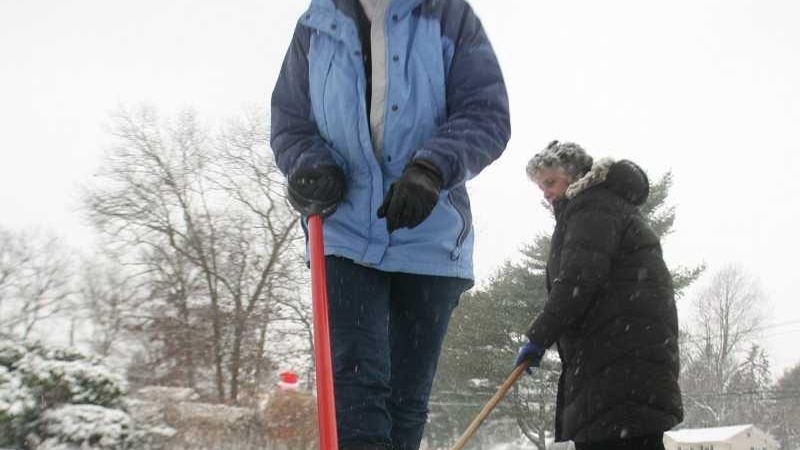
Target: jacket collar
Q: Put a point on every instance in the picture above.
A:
(336, 17)
(400, 7)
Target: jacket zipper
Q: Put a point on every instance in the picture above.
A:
(455, 254)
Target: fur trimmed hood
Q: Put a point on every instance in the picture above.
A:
(622, 177)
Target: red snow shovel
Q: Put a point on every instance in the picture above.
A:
(326, 407)
(501, 392)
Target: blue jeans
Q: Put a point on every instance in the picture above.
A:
(386, 331)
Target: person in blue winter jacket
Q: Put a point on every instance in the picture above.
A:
(382, 111)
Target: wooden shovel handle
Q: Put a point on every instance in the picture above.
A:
(473, 427)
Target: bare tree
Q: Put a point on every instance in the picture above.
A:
(141, 202)
(265, 252)
(728, 319)
(12, 259)
(206, 219)
(35, 279)
(110, 297)
(170, 319)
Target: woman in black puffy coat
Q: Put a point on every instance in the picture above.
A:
(610, 307)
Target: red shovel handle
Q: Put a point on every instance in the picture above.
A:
(326, 407)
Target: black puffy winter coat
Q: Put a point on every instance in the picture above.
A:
(611, 311)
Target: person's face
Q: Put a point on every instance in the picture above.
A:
(553, 182)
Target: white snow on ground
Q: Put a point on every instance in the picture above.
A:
(512, 446)
(698, 435)
(166, 394)
(529, 446)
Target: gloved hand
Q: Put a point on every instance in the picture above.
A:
(530, 354)
(317, 190)
(412, 197)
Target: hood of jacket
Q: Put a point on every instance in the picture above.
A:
(624, 178)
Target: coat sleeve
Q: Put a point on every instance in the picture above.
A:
(295, 138)
(590, 242)
(478, 127)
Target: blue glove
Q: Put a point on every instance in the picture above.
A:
(530, 354)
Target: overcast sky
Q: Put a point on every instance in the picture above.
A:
(705, 88)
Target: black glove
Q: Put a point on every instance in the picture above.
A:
(317, 191)
(412, 197)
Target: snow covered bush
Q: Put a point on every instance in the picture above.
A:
(17, 407)
(59, 399)
(62, 376)
(81, 425)
(11, 352)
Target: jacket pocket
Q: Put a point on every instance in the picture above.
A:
(460, 202)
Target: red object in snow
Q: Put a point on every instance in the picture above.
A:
(288, 380)
(326, 407)
(288, 376)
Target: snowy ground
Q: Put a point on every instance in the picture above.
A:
(528, 446)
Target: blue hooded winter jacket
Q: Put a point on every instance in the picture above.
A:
(446, 103)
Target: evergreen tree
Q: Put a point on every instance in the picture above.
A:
(786, 417)
(750, 388)
(53, 398)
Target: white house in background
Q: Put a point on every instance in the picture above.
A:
(739, 437)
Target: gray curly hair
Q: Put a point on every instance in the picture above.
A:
(568, 156)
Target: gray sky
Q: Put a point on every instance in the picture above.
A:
(705, 88)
